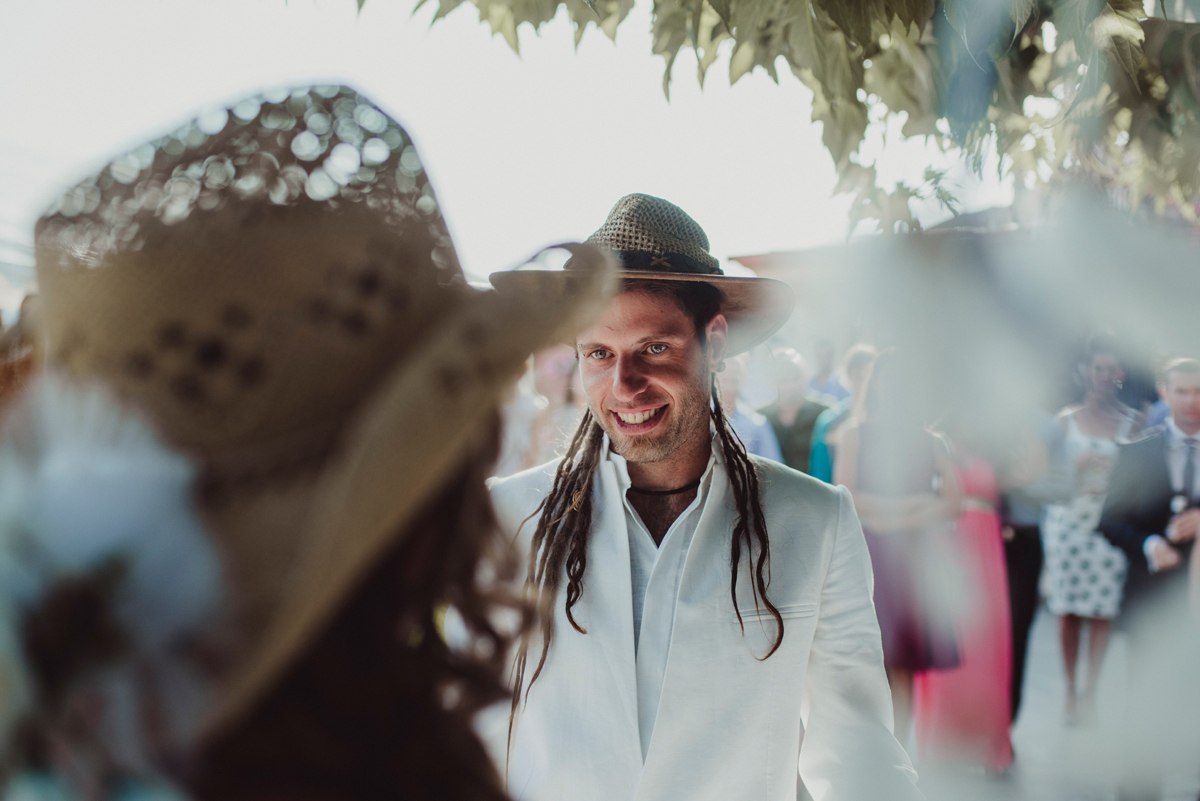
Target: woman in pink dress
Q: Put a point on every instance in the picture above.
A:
(962, 714)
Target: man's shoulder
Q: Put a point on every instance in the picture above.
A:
(782, 485)
(515, 497)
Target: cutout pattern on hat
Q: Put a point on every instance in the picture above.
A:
(322, 144)
(248, 278)
(647, 224)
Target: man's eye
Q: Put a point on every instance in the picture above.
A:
(598, 354)
(656, 348)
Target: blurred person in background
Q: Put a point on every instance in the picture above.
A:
(1160, 410)
(753, 429)
(906, 492)
(541, 411)
(964, 714)
(1022, 509)
(824, 385)
(553, 374)
(856, 369)
(1084, 575)
(1152, 513)
(518, 414)
(794, 414)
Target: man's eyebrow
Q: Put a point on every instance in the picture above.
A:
(669, 336)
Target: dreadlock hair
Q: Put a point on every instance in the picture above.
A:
(565, 515)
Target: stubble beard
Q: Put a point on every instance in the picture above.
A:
(689, 419)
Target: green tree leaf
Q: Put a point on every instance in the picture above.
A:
(1119, 96)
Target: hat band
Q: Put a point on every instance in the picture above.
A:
(645, 261)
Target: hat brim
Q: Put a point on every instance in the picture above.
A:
(404, 444)
(755, 307)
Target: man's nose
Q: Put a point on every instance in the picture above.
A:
(628, 379)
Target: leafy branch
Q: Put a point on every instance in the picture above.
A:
(1052, 88)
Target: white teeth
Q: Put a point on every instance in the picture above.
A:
(640, 417)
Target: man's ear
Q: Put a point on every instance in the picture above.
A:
(717, 335)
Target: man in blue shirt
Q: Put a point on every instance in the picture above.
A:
(824, 386)
(751, 427)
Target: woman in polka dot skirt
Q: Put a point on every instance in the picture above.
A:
(1084, 575)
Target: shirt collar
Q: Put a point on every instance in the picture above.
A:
(1177, 435)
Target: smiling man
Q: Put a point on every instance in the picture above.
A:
(706, 616)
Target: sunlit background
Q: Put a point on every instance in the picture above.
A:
(524, 150)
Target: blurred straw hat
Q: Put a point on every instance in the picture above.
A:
(656, 240)
(274, 286)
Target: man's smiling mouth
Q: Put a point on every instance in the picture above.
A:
(638, 418)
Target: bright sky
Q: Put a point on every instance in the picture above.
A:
(523, 150)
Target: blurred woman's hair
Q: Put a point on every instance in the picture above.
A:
(380, 706)
(1101, 342)
(858, 358)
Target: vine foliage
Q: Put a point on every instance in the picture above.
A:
(1053, 87)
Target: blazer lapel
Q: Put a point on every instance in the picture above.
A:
(704, 592)
(605, 610)
(1159, 488)
(706, 567)
(583, 709)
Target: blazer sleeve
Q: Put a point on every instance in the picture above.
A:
(848, 751)
(1119, 522)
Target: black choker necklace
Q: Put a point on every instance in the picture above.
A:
(684, 488)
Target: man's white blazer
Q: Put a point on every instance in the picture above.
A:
(730, 724)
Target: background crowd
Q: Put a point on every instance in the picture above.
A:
(973, 523)
(1085, 508)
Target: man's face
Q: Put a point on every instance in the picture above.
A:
(646, 375)
(791, 377)
(1183, 396)
(1105, 375)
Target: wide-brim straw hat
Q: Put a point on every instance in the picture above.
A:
(655, 240)
(274, 287)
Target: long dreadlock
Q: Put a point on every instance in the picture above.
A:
(565, 515)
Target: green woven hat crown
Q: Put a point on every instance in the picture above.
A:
(649, 233)
(657, 241)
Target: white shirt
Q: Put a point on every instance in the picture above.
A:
(655, 571)
(1176, 465)
(1177, 458)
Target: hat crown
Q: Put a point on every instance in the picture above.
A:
(249, 278)
(643, 224)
